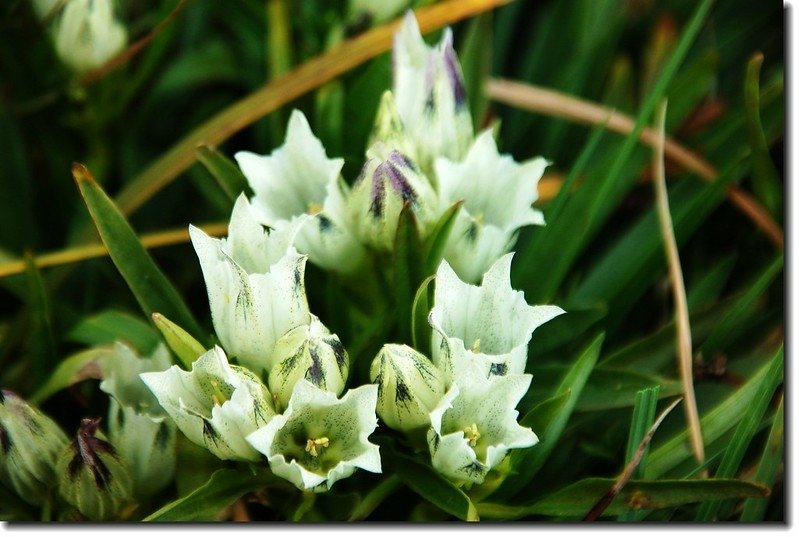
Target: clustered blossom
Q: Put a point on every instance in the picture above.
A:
(277, 389)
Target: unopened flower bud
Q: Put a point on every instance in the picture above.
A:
(93, 478)
(388, 181)
(409, 386)
(30, 443)
(88, 34)
(390, 130)
(310, 352)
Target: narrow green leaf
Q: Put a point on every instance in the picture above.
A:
(41, 344)
(429, 484)
(643, 416)
(407, 270)
(84, 365)
(203, 504)
(109, 326)
(541, 415)
(421, 330)
(475, 59)
(739, 312)
(528, 461)
(437, 240)
(17, 223)
(708, 286)
(576, 500)
(754, 509)
(765, 179)
(148, 284)
(185, 347)
(745, 432)
(226, 173)
(715, 423)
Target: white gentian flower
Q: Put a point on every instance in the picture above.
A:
(88, 34)
(308, 352)
(388, 181)
(30, 444)
(216, 405)
(321, 439)
(430, 95)
(409, 386)
(138, 427)
(298, 179)
(497, 194)
(486, 327)
(255, 281)
(475, 425)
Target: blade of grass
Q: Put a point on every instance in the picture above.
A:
(684, 343)
(226, 173)
(765, 179)
(745, 432)
(643, 415)
(281, 91)
(755, 508)
(42, 345)
(91, 251)
(603, 503)
(152, 289)
(715, 423)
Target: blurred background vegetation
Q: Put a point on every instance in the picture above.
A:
(600, 257)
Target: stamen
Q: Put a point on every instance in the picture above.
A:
(472, 434)
(314, 208)
(315, 445)
(476, 345)
(217, 397)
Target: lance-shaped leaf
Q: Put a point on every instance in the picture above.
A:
(148, 284)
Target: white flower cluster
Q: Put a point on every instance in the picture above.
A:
(282, 399)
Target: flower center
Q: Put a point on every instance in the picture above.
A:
(315, 445)
(472, 434)
(314, 208)
(217, 397)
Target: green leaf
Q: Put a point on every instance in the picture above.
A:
(723, 332)
(407, 270)
(765, 178)
(148, 284)
(226, 173)
(528, 461)
(84, 365)
(42, 348)
(429, 484)
(709, 286)
(577, 499)
(768, 468)
(17, 223)
(437, 240)
(646, 402)
(745, 432)
(541, 415)
(714, 424)
(421, 330)
(111, 325)
(185, 347)
(475, 59)
(203, 504)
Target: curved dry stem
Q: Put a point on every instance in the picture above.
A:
(553, 103)
(91, 251)
(684, 345)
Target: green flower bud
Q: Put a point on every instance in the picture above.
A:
(30, 443)
(310, 352)
(409, 386)
(93, 478)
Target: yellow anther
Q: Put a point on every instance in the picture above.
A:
(314, 208)
(472, 434)
(314, 445)
(476, 345)
(217, 397)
